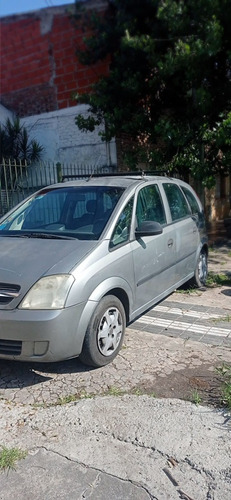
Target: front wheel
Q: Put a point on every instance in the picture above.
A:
(105, 332)
(201, 271)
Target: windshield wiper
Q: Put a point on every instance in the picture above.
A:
(40, 235)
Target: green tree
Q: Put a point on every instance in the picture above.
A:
(169, 82)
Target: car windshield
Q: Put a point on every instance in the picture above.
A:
(66, 212)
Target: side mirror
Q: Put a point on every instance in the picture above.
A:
(148, 228)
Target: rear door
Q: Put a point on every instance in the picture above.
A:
(187, 236)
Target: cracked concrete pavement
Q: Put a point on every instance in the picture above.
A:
(143, 361)
(106, 444)
(120, 448)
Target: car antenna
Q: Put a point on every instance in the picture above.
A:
(94, 170)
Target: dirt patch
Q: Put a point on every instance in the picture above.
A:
(198, 385)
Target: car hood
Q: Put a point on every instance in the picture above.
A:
(24, 261)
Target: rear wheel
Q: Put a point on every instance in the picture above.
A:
(201, 271)
(105, 332)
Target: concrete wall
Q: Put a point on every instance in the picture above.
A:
(4, 114)
(64, 142)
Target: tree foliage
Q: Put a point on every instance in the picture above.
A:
(15, 143)
(169, 84)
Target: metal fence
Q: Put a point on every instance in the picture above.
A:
(19, 179)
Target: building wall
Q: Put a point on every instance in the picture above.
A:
(39, 75)
(4, 114)
(39, 68)
(64, 142)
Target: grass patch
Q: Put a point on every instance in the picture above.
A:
(10, 456)
(114, 391)
(70, 398)
(225, 374)
(214, 279)
(188, 291)
(226, 319)
(111, 391)
(196, 398)
(135, 391)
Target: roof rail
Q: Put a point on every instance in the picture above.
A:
(116, 174)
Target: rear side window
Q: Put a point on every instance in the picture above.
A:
(191, 200)
(176, 200)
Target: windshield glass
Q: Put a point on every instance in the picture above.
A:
(79, 212)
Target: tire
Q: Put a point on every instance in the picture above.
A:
(105, 332)
(201, 271)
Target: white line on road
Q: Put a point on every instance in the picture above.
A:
(181, 325)
(184, 312)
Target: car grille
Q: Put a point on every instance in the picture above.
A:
(8, 292)
(10, 347)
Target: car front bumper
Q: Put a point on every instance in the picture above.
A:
(41, 335)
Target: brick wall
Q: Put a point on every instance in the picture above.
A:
(39, 68)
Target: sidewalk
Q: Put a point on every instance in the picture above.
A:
(122, 448)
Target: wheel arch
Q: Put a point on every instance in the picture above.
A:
(203, 248)
(117, 287)
(123, 297)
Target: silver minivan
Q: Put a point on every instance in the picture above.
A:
(82, 259)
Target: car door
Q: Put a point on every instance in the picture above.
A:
(186, 230)
(153, 256)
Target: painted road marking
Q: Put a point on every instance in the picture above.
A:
(181, 325)
(188, 312)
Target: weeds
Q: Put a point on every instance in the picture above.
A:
(225, 373)
(114, 391)
(226, 319)
(10, 456)
(189, 291)
(196, 398)
(111, 391)
(214, 279)
(72, 398)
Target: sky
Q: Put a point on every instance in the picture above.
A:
(8, 7)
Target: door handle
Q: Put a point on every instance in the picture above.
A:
(170, 243)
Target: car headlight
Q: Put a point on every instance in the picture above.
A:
(49, 292)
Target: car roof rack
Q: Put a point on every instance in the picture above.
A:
(136, 173)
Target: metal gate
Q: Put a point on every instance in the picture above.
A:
(18, 180)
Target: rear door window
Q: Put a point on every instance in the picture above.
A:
(191, 200)
(176, 200)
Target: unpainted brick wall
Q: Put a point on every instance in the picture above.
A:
(39, 68)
